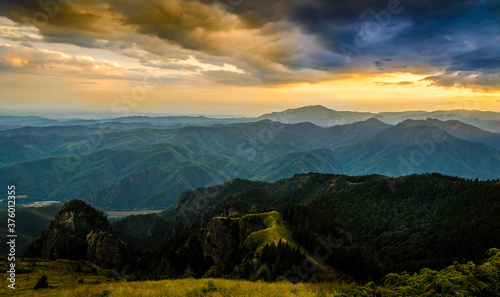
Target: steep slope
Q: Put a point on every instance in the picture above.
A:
(31, 147)
(341, 135)
(460, 130)
(30, 222)
(403, 150)
(299, 189)
(320, 160)
(421, 221)
(132, 192)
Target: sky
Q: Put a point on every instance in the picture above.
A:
(249, 57)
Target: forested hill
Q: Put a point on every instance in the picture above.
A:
(415, 221)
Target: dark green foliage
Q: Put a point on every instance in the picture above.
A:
(277, 259)
(457, 280)
(338, 247)
(213, 272)
(263, 274)
(143, 231)
(42, 283)
(428, 221)
(319, 160)
(175, 255)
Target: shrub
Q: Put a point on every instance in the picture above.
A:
(263, 273)
(42, 283)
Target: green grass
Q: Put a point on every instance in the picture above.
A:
(456, 280)
(93, 281)
(275, 230)
(61, 275)
(122, 214)
(189, 288)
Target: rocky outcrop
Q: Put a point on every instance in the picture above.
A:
(221, 243)
(105, 249)
(80, 232)
(222, 238)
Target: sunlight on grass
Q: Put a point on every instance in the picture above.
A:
(190, 288)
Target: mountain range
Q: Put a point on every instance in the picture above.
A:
(138, 163)
(316, 114)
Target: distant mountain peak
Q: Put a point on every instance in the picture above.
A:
(374, 120)
(312, 107)
(318, 109)
(318, 115)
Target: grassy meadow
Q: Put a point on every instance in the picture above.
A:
(170, 288)
(122, 214)
(192, 288)
(80, 278)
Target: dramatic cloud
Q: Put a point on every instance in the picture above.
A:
(256, 42)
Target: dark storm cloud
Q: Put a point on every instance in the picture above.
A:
(426, 28)
(486, 60)
(461, 35)
(51, 13)
(255, 13)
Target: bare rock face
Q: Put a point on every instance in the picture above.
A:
(218, 245)
(80, 232)
(222, 238)
(106, 250)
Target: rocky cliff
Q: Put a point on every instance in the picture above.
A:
(219, 246)
(80, 232)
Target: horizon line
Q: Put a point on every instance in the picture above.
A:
(58, 112)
